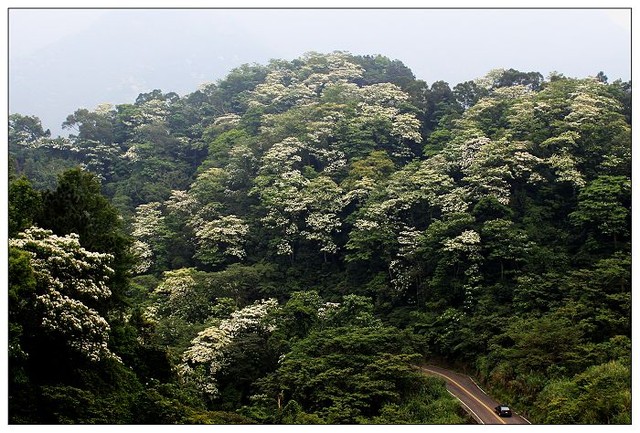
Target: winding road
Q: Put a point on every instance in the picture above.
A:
(474, 400)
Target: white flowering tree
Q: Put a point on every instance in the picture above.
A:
(316, 119)
(385, 107)
(412, 197)
(326, 200)
(279, 185)
(287, 86)
(195, 217)
(466, 244)
(71, 284)
(211, 351)
(576, 126)
(181, 294)
(298, 206)
(495, 167)
(149, 231)
(220, 238)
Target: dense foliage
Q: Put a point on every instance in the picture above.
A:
(285, 245)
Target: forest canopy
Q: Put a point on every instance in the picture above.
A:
(285, 246)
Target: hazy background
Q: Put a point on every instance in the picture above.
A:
(61, 60)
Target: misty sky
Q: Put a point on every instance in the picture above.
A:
(62, 60)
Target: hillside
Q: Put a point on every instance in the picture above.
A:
(283, 245)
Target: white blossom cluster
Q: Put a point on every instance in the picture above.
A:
(470, 151)
(489, 80)
(466, 249)
(206, 357)
(148, 221)
(451, 316)
(320, 130)
(242, 162)
(456, 200)
(298, 206)
(182, 202)
(590, 103)
(360, 190)
(492, 166)
(565, 167)
(430, 183)
(152, 111)
(321, 98)
(408, 239)
(465, 242)
(224, 236)
(61, 143)
(327, 309)
(423, 183)
(132, 154)
(383, 103)
(281, 90)
(216, 236)
(321, 70)
(511, 93)
(147, 227)
(561, 161)
(472, 288)
(284, 88)
(143, 255)
(322, 226)
(84, 329)
(567, 140)
(326, 201)
(69, 279)
(176, 285)
(98, 157)
(400, 276)
(281, 157)
(256, 317)
(229, 119)
(375, 218)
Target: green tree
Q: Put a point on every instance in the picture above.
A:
(25, 205)
(26, 130)
(346, 374)
(77, 206)
(504, 243)
(604, 207)
(599, 395)
(468, 93)
(34, 154)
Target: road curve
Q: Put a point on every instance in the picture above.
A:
(474, 400)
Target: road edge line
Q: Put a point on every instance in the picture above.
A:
(475, 415)
(528, 422)
(476, 384)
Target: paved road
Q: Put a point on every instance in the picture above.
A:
(478, 404)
